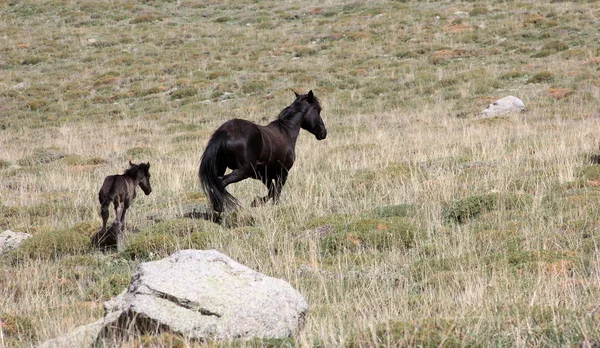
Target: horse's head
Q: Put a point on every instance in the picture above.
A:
(312, 121)
(142, 174)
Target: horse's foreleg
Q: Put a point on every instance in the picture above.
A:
(262, 200)
(278, 186)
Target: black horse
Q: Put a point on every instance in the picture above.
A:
(266, 153)
(120, 190)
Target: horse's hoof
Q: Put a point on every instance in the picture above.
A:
(258, 201)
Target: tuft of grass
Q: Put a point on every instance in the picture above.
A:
(41, 156)
(465, 209)
(139, 152)
(184, 93)
(400, 210)
(150, 247)
(479, 11)
(350, 235)
(181, 227)
(541, 77)
(17, 326)
(52, 245)
(556, 46)
(428, 333)
(32, 60)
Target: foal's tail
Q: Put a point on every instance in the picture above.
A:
(212, 165)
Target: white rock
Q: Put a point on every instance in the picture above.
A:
(200, 295)
(10, 240)
(503, 106)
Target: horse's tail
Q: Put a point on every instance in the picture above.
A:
(212, 165)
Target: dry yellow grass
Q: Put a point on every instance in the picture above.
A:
(87, 85)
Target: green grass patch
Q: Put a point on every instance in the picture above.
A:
(52, 245)
(41, 156)
(465, 209)
(541, 77)
(350, 235)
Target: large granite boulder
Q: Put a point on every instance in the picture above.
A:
(201, 295)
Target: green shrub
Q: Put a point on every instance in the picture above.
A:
(181, 227)
(462, 210)
(139, 152)
(401, 210)
(184, 93)
(478, 11)
(153, 246)
(32, 60)
(433, 332)
(17, 326)
(76, 160)
(52, 245)
(41, 156)
(378, 234)
(555, 46)
(4, 164)
(541, 77)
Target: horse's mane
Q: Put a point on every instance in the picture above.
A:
(132, 170)
(295, 107)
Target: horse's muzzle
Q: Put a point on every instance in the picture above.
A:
(321, 135)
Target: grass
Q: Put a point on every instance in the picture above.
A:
(413, 223)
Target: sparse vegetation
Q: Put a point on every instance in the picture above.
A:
(412, 224)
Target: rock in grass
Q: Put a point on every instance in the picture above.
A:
(503, 106)
(10, 240)
(201, 295)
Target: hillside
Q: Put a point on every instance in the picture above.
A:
(441, 228)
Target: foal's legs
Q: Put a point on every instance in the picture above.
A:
(122, 220)
(104, 213)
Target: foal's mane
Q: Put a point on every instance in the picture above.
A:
(295, 107)
(133, 169)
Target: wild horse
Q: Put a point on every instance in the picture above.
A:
(120, 190)
(266, 153)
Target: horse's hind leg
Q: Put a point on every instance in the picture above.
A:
(236, 175)
(104, 213)
(122, 219)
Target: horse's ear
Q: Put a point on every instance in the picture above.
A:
(296, 93)
(131, 164)
(310, 96)
(148, 165)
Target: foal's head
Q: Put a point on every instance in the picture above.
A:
(311, 108)
(140, 173)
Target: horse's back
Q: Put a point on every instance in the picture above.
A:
(113, 184)
(238, 128)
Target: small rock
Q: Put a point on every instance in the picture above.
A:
(10, 240)
(503, 106)
(21, 85)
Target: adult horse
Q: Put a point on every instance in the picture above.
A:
(266, 153)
